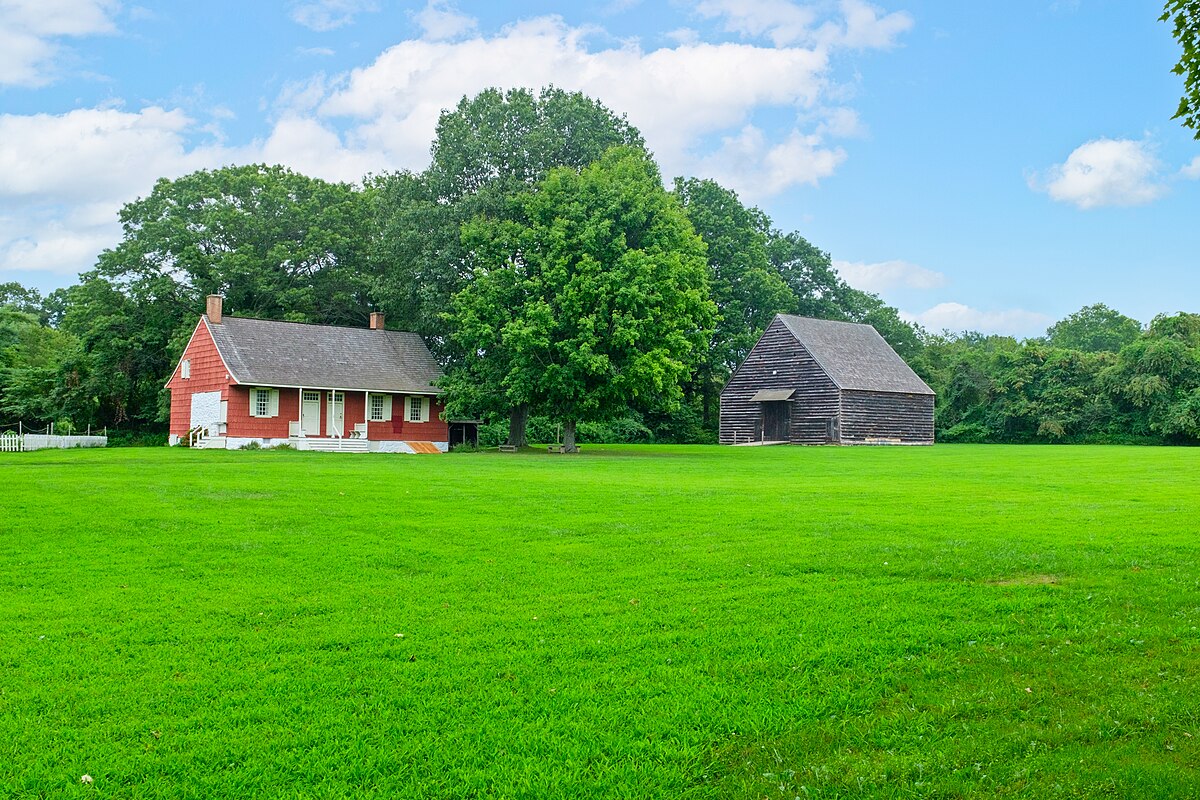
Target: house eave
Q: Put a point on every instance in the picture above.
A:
(428, 391)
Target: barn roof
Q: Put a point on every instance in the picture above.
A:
(855, 356)
(270, 353)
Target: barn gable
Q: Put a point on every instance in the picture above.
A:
(810, 381)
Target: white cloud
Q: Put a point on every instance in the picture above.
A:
(326, 15)
(64, 177)
(788, 23)
(440, 21)
(677, 96)
(1191, 171)
(684, 35)
(57, 247)
(303, 144)
(884, 275)
(90, 154)
(957, 317)
(1104, 172)
(30, 30)
(842, 122)
(758, 169)
(865, 29)
(781, 21)
(695, 103)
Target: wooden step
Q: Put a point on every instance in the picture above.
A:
(345, 445)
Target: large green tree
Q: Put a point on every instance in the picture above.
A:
(1184, 16)
(1094, 329)
(591, 298)
(1158, 376)
(277, 244)
(37, 369)
(746, 289)
(488, 150)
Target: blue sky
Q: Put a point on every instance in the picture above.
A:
(989, 166)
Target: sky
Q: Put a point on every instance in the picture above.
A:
(980, 165)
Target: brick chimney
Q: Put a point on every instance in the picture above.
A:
(214, 308)
(376, 320)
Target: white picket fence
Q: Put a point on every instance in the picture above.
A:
(16, 443)
(39, 441)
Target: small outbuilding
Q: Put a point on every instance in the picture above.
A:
(815, 381)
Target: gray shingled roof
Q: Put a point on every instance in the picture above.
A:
(262, 352)
(855, 356)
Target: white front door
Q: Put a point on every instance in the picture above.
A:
(337, 413)
(310, 413)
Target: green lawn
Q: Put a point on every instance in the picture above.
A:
(635, 622)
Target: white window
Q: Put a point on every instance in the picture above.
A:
(264, 402)
(379, 408)
(417, 409)
(185, 369)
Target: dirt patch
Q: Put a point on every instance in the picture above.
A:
(1027, 580)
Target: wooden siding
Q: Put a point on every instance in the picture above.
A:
(435, 430)
(868, 416)
(207, 375)
(239, 423)
(354, 411)
(813, 405)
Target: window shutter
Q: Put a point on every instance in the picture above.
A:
(387, 407)
(254, 402)
(425, 404)
(274, 403)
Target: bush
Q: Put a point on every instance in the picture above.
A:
(118, 438)
(966, 433)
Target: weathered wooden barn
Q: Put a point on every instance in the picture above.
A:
(815, 381)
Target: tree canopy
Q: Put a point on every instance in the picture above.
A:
(595, 299)
(487, 150)
(1184, 16)
(543, 261)
(1094, 329)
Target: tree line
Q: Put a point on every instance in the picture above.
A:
(559, 283)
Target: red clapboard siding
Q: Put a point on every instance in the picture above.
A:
(239, 423)
(208, 375)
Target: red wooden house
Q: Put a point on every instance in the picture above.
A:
(316, 387)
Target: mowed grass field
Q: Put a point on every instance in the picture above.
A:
(634, 622)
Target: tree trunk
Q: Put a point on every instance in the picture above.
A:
(516, 425)
(568, 443)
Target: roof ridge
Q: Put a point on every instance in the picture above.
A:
(228, 317)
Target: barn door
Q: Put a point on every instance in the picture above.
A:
(776, 420)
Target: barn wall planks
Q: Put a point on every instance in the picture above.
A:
(821, 412)
(814, 403)
(870, 416)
